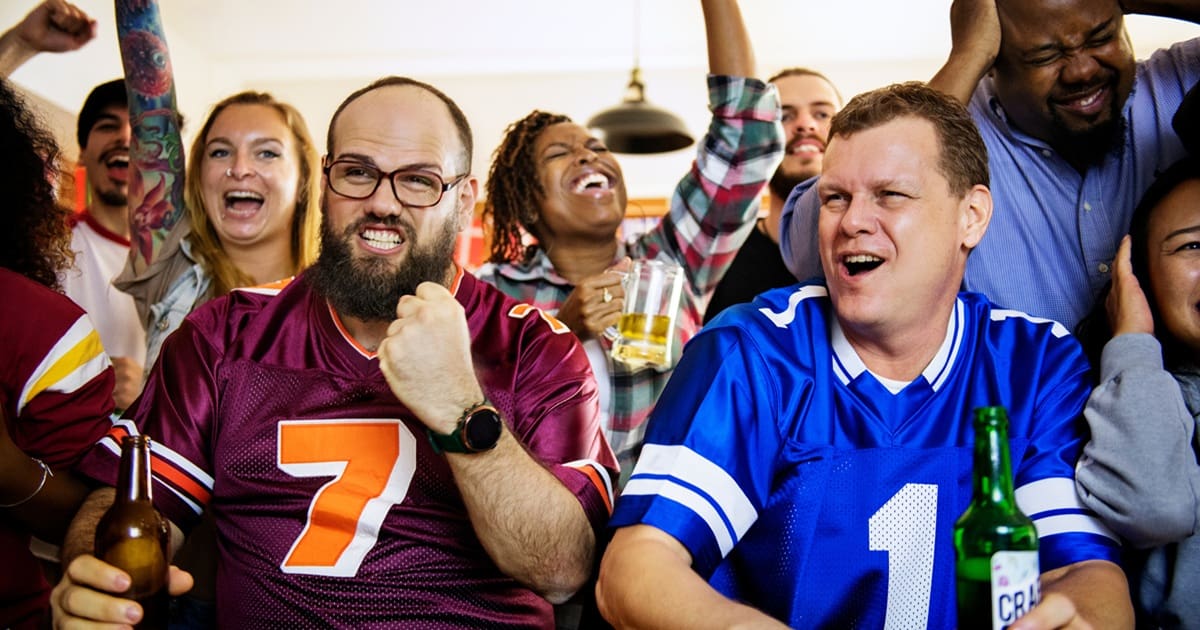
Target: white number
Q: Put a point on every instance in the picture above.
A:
(905, 528)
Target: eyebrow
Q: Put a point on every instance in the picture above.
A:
(812, 104)
(1099, 28)
(369, 161)
(106, 118)
(1181, 232)
(255, 142)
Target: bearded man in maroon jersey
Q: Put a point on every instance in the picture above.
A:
(385, 441)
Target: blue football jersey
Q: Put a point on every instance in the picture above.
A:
(804, 486)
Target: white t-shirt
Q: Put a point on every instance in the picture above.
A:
(99, 256)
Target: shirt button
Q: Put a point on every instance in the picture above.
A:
(162, 324)
(1103, 267)
(1046, 152)
(1087, 206)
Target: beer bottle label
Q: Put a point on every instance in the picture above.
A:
(1015, 586)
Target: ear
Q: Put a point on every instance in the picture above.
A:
(468, 192)
(976, 214)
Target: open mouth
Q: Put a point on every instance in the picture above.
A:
(118, 165)
(861, 263)
(243, 201)
(592, 183)
(805, 146)
(380, 239)
(1087, 103)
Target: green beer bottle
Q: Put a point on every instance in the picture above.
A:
(996, 557)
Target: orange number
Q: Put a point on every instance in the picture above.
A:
(521, 311)
(372, 464)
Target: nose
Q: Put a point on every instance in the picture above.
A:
(1080, 67)
(586, 155)
(804, 122)
(241, 167)
(859, 217)
(383, 202)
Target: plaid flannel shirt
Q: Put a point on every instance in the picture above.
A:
(712, 212)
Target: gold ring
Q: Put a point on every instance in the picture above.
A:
(606, 297)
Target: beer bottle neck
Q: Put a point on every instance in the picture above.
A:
(133, 480)
(993, 470)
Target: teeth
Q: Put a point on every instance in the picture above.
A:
(804, 148)
(861, 258)
(242, 195)
(118, 161)
(1089, 100)
(589, 179)
(381, 239)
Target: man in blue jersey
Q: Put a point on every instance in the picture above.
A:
(1076, 130)
(810, 455)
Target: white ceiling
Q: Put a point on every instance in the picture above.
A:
(500, 59)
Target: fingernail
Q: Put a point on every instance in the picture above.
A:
(121, 583)
(133, 613)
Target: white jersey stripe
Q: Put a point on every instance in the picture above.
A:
(74, 360)
(1072, 524)
(681, 461)
(687, 497)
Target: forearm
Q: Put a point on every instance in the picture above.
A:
(729, 48)
(80, 539)
(961, 74)
(81, 535)
(532, 527)
(52, 499)
(646, 581)
(1178, 9)
(1098, 590)
(1140, 473)
(14, 52)
(156, 147)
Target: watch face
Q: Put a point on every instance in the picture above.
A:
(482, 429)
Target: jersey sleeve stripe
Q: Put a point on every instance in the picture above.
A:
(1001, 314)
(1072, 524)
(192, 485)
(1048, 494)
(681, 466)
(1055, 508)
(599, 478)
(75, 359)
(701, 506)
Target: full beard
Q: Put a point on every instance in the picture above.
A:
(782, 182)
(114, 198)
(1090, 146)
(369, 288)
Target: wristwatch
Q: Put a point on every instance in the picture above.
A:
(478, 430)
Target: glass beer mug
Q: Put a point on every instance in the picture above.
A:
(645, 335)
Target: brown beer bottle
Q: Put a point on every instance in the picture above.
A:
(134, 537)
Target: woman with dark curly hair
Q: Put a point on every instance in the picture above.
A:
(558, 187)
(35, 232)
(56, 383)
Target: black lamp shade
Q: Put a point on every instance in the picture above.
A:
(636, 126)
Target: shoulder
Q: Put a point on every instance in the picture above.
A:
(26, 299)
(222, 319)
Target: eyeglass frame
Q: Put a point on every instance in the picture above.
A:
(391, 178)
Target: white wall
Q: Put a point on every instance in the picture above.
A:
(902, 41)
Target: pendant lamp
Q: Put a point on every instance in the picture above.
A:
(636, 126)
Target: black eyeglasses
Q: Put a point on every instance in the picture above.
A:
(414, 188)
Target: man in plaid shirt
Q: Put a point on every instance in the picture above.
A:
(554, 181)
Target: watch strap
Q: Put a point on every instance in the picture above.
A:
(456, 441)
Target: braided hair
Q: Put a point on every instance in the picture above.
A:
(514, 191)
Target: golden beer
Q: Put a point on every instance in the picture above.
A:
(643, 340)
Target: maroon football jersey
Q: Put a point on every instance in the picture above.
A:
(56, 388)
(331, 506)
